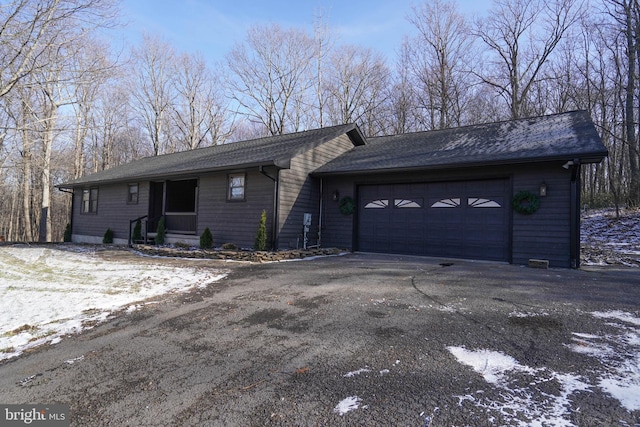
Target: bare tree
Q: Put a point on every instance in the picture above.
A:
(627, 13)
(402, 96)
(41, 36)
(439, 57)
(92, 69)
(28, 27)
(268, 74)
(323, 45)
(357, 81)
(110, 118)
(198, 111)
(520, 36)
(153, 88)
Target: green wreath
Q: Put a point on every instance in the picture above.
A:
(347, 206)
(525, 202)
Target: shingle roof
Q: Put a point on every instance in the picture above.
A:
(275, 150)
(557, 137)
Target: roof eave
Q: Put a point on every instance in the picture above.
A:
(584, 158)
(150, 177)
(356, 136)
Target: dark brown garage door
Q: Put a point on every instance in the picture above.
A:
(466, 219)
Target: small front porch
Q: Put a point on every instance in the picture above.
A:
(174, 201)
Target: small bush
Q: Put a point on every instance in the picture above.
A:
(261, 235)
(206, 239)
(67, 233)
(182, 245)
(161, 233)
(137, 232)
(230, 247)
(108, 236)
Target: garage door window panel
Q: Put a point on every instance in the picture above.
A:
(446, 203)
(377, 204)
(477, 202)
(408, 203)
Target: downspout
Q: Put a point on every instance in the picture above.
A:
(574, 234)
(320, 215)
(274, 219)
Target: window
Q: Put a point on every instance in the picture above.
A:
(89, 200)
(447, 203)
(377, 204)
(236, 187)
(407, 203)
(475, 202)
(132, 196)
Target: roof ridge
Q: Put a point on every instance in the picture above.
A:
(495, 123)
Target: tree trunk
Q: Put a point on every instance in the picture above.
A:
(47, 141)
(632, 33)
(26, 187)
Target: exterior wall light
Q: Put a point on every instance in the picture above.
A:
(543, 189)
(336, 195)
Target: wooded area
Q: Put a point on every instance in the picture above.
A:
(70, 105)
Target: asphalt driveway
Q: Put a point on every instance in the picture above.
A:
(359, 339)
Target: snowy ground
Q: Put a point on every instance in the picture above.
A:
(615, 371)
(47, 293)
(607, 240)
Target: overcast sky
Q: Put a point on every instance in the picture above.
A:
(212, 27)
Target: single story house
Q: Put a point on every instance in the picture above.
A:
(506, 191)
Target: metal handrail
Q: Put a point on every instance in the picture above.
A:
(130, 233)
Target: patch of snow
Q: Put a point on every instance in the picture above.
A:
(74, 360)
(47, 293)
(584, 344)
(521, 314)
(624, 384)
(585, 336)
(429, 418)
(492, 365)
(607, 240)
(619, 357)
(618, 315)
(348, 404)
(358, 372)
(520, 400)
(523, 403)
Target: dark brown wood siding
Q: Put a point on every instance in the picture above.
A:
(235, 221)
(543, 235)
(300, 193)
(113, 211)
(337, 229)
(546, 233)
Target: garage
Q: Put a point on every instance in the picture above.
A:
(460, 219)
